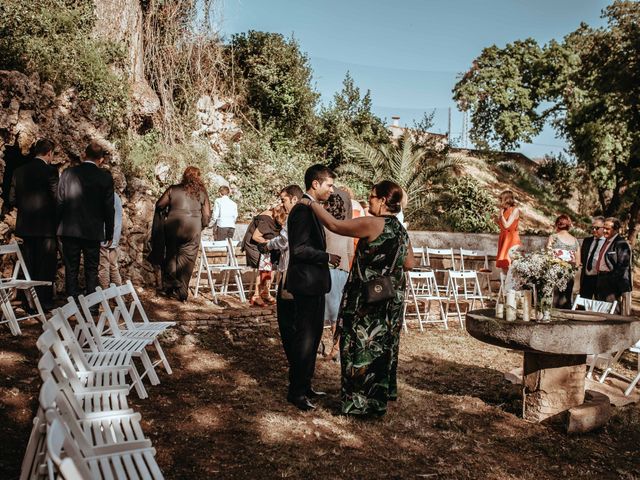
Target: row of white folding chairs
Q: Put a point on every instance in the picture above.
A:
(422, 288)
(85, 432)
(20, 280)
(97, 378)
(448, 255)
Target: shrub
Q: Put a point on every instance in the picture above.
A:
(258, 169)
(141, 154)
(52, 38)
(468, 207)
(560, 172)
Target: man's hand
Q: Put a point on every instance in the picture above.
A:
(305, 201)
(334, 260)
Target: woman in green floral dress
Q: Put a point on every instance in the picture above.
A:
(370, 333)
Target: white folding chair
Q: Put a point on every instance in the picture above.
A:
(106, 446)
(82, 381)
(112, 399)
(230, 269)
(131, 311)
(484, 272)
(106, 318)
(9, 285)
(92, 342)
(463, 287)
(102, 462)
(420, 252)
(96, 362)
(591, 305)
(423, 288)
(34, 461)
(447, 257)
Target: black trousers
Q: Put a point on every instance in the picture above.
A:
(308, 326)
(286, 324)
(72, 248)
(41, 260)
(588, 286)
(607, 287)
(222, 233)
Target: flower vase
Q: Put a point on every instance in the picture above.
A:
(545, 303)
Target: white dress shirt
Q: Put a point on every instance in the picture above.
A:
(225, 212)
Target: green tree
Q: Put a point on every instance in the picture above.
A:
(468, 207)
(587, 87)
(348, 116)
(273, 77)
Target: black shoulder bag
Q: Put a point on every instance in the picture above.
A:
(380, 289)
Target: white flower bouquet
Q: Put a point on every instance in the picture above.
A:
(546, 272)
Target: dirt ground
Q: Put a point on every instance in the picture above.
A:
(223, 414)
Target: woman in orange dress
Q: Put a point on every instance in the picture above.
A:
(508, 221)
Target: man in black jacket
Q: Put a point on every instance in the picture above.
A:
(589, 254)
(614, 264)
(308, 280)
(86, 216)
(33, 192)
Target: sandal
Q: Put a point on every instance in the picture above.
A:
(257, 301)
(269, 300)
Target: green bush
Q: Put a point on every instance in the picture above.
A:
(141, 154)
(469, 207)
(259, 168)
(52, 38)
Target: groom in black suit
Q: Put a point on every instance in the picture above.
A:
(86, 217)
(33, 192)
(308, 280)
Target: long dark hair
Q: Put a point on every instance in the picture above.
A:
(192, 182)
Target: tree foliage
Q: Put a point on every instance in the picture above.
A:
(587, 86)
(468, 207)
(52, 38)
(560, 172)
(274, 77)
(348, 116)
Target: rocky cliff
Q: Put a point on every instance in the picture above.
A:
(30, 110)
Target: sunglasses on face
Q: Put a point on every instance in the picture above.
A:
(593, 227)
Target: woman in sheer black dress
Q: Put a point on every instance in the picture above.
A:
(189, 212)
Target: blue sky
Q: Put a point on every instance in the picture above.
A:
(408, 53)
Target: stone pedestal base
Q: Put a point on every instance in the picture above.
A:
(551, 384)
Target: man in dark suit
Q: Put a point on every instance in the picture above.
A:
(614, 264)
(86, 216)
(33, 191)
(589, 254)
(308, 280)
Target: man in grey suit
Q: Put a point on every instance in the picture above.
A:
(86, 216)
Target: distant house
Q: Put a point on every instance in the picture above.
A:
(438, 141)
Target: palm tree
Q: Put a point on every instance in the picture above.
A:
(420, 171)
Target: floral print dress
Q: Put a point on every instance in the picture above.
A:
(370, 334)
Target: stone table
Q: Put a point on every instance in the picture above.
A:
(555, 356)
